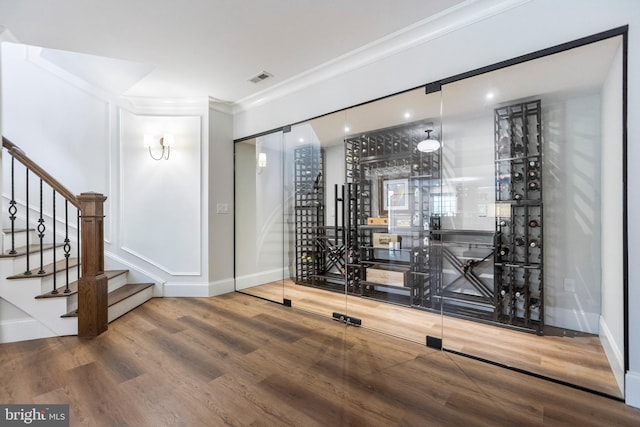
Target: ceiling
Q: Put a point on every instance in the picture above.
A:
(208, 47)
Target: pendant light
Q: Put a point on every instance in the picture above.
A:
(429, 144)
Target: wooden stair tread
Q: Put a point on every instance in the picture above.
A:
(126, 291)
(73, 286)
(23, 250)
(118, 295)
(60, 266)
(7, 230)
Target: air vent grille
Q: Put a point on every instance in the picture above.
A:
(262, 76)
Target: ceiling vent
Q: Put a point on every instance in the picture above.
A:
(263, 75)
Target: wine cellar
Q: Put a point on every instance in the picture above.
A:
(388, 243)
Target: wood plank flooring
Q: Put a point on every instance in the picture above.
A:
(573, 357)
(239, 360)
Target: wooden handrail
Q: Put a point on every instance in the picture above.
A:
(17, 153)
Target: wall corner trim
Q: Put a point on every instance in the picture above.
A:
(632, 392)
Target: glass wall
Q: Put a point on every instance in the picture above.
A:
(484, 218)
(260, 226)
(529, 163)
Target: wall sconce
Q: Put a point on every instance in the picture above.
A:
(166, 141)
(262, 162)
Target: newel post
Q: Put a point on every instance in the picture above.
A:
(92, 286)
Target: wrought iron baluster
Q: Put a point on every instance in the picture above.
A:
(12, 210)
(28, 270)
(55, 282)
(67, 246)
(78, 245)
(41, 228)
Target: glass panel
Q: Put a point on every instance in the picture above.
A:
(530, 154)
(393, 175)
(314, 178)
(260, 217)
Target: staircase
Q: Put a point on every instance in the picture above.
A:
(55, 314)
(52, 278)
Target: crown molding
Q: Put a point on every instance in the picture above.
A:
(160, 105)
(452, 19)
(220, 106)
(7, 36)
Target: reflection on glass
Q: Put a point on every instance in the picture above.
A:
(260, 221)
(490, 214)
(524, 248)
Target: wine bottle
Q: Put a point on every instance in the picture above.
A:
(517, 176)
(533, 185)
(519, 241)
(533, 223)
(533, 243)
(517, 196)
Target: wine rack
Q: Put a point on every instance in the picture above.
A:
(518, 271)
(310, 256)
(373, 159)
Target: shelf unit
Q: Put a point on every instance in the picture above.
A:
(519, 278)
(310, 255)
(374, 160)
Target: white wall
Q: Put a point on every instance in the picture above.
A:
(571, 196)
(506, 35)
(91, 140)
(612, 319)
(161, 199)
(468, 169)
(38, 106)
(220, 227)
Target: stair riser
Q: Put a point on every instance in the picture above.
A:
(21, 240)
(72, 303)
(130, 303)
(117, 282)
(20, 262)
(61, 280)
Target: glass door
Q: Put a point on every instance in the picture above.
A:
(531, 216)
(392, 181)
(314, 170)
(261, 252)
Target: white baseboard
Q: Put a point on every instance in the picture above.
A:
(220, 287)
(260, 278)
(613, 353)
(172, 289)
(632, 392)
(23, 330)
(575, 320)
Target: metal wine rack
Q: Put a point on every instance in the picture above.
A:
(310, 257)
(518, 267)
(371, 159)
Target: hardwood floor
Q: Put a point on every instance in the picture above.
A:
(239, 360)
(574, 358)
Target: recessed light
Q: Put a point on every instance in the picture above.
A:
(301, 140)
(407, 115)
(490, 95)
(347, 128)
